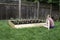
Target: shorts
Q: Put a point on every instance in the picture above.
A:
(51, 26)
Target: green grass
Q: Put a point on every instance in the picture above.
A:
(37, 33)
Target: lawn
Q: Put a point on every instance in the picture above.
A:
(37, 33)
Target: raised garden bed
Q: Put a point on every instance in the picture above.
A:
(25, 23)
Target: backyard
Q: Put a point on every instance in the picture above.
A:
(37, 33)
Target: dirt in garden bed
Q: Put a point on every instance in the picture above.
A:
(27, 22)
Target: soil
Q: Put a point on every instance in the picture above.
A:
(26, 22)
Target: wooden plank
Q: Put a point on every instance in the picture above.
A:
(11, 24)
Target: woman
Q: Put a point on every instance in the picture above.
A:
(50, 22)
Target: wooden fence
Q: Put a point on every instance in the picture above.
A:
(35, 10)
(29, 10)
(8, 11)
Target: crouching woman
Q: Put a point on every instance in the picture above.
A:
(49, 22)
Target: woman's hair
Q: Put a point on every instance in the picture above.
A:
(48, 16)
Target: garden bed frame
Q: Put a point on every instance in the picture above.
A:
(25, 25)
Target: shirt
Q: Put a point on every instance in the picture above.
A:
(51, 21)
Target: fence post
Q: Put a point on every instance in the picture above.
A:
(37, 9)
(50, 9)
(6, 12)
(19, 9)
